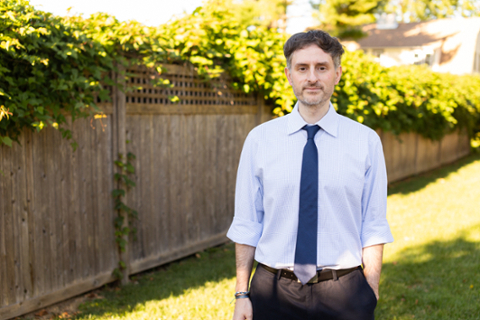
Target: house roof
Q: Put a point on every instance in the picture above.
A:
(455, 38)
(419, 33)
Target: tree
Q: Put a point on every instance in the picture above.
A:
(421, 10)
(268, 13)
(343, 18)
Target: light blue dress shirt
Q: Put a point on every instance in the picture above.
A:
(352, 191)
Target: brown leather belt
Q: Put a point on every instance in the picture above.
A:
(322, 275)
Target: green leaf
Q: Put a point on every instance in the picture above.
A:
(118, 193)
(174, 98)
(117, 274)
(118, 222)
(130, 168)
(7, 141)
(128, 182)
(118, 205)
(133, 213)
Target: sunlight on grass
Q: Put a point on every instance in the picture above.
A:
(207, 302)
(430, 271)
(199, 287)
(439, 211)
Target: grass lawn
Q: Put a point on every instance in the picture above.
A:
(431, 271)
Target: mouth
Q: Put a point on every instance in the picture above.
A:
(312, 89)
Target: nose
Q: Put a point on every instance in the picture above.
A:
(312, 76)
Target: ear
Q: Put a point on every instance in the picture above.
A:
(287, 73)
(338, 74)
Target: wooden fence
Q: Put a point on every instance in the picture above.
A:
(410, 154)
(56, 209)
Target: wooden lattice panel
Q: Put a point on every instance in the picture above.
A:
(191, 89)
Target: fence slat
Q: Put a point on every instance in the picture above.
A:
(52, 168)
(29, 181)
(16, 220)
(9, 232)
(105, 245)
(3, 208)
(22, 214)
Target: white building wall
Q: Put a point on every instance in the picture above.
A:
(476, 62)
(390, 57)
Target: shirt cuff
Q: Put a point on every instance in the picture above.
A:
(245, 231)
(376, 238)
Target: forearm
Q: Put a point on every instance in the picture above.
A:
(372, 265)
(244, 260)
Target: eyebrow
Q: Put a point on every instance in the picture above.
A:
(323, 63)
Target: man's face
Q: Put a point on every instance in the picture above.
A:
(313, 76)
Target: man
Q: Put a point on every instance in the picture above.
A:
(310, 203)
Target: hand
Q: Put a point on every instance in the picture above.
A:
(376, 293)
(243, 309)
(372, 265)
(374, 288)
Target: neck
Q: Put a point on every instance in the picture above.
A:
(313, 114)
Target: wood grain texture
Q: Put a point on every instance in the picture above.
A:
(448, 148)
(29, 178)
(4, 182)
(428, 155)
(463, 145)
(9, 263)
(47, 299)
(400, 154)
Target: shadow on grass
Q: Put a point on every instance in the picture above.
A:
(174, 279)
(438, 281)
(420, 181)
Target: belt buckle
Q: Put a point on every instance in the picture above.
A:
(313, 280)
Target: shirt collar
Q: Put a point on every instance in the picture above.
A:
(329, 122)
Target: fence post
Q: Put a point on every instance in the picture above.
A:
(120, 148)
(261, 114)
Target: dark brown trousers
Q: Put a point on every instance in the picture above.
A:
(350, 297)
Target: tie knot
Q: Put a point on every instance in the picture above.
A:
(311, 131)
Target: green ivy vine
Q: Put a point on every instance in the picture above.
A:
(123, 227)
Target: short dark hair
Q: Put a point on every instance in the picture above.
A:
(320, 38)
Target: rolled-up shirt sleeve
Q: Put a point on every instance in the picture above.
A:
(247, 225)
(375, 228)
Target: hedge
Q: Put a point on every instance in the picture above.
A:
(51, 66)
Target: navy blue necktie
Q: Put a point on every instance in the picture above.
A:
(306, 250)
